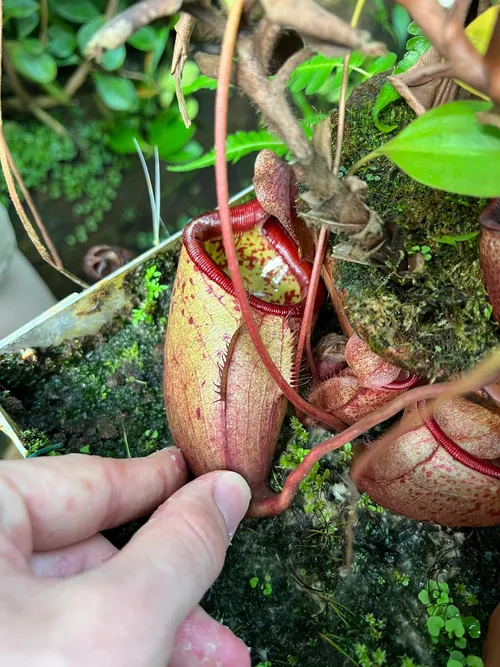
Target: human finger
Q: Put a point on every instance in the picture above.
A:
(73, 559)
(71, 498)
(202, 642)
(491, 649)
(173, 559)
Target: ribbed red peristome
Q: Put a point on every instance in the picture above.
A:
(244, 218)
(454, 450)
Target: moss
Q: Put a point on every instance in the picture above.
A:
(49, 166)
(102, 389)
(437, 322)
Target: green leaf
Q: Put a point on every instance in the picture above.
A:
(473, 626)
(454, 663)
(443, 598)
(461, 643)
(87, 30)
(85, 449)
(242, 143)
(313, 74)
(434, 625)
(381, 64)
(30, 60)
(144, 39)
(73, 11)
(423, 596)
(455, 626)
(19, 9)
(168, 132)
(449, 150)
(416, 46)
(202, 82)
(474, 661)
(400, 21)
(414, 29)
(453, 240)
(191, 151)
(161, 43)
(386, 95)
(25, 26)
(111, 59)
(121, 139)
(62, 41)
(253, 582)
(68, 62)
(238, 145)
(117, 94)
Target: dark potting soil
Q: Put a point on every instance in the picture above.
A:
(285, 589)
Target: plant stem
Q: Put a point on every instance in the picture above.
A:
(44, 21)
(222, 188)
(364, 160)
(307, 322)
(25, 192)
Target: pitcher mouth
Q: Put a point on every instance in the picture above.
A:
(277, 278)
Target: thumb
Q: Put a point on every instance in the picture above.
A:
(172, 561)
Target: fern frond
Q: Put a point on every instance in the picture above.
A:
(238, 145)
(243, 143)
(312, 75)
(202, 82)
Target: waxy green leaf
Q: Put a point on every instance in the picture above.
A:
(448, 149)
(117, 94)
(31, 61)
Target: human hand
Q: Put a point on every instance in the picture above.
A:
(69, 598)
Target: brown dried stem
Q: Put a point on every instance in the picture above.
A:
(184, 29)
(445, 30)
(12, 175)
(307, 322)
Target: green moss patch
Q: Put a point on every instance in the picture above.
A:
(436, 321)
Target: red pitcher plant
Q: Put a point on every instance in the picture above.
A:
(225, 411)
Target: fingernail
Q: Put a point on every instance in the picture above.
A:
(232, 496)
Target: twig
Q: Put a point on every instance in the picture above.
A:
(6, 161)
(184, 29)
(338, 306)
(116, 32)
(306, 327)
(151, 192)
(445, 31)
(492, 62)
(157, 214)
(280, 81)
(25, 192)
(44, 21)
(265, 38)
